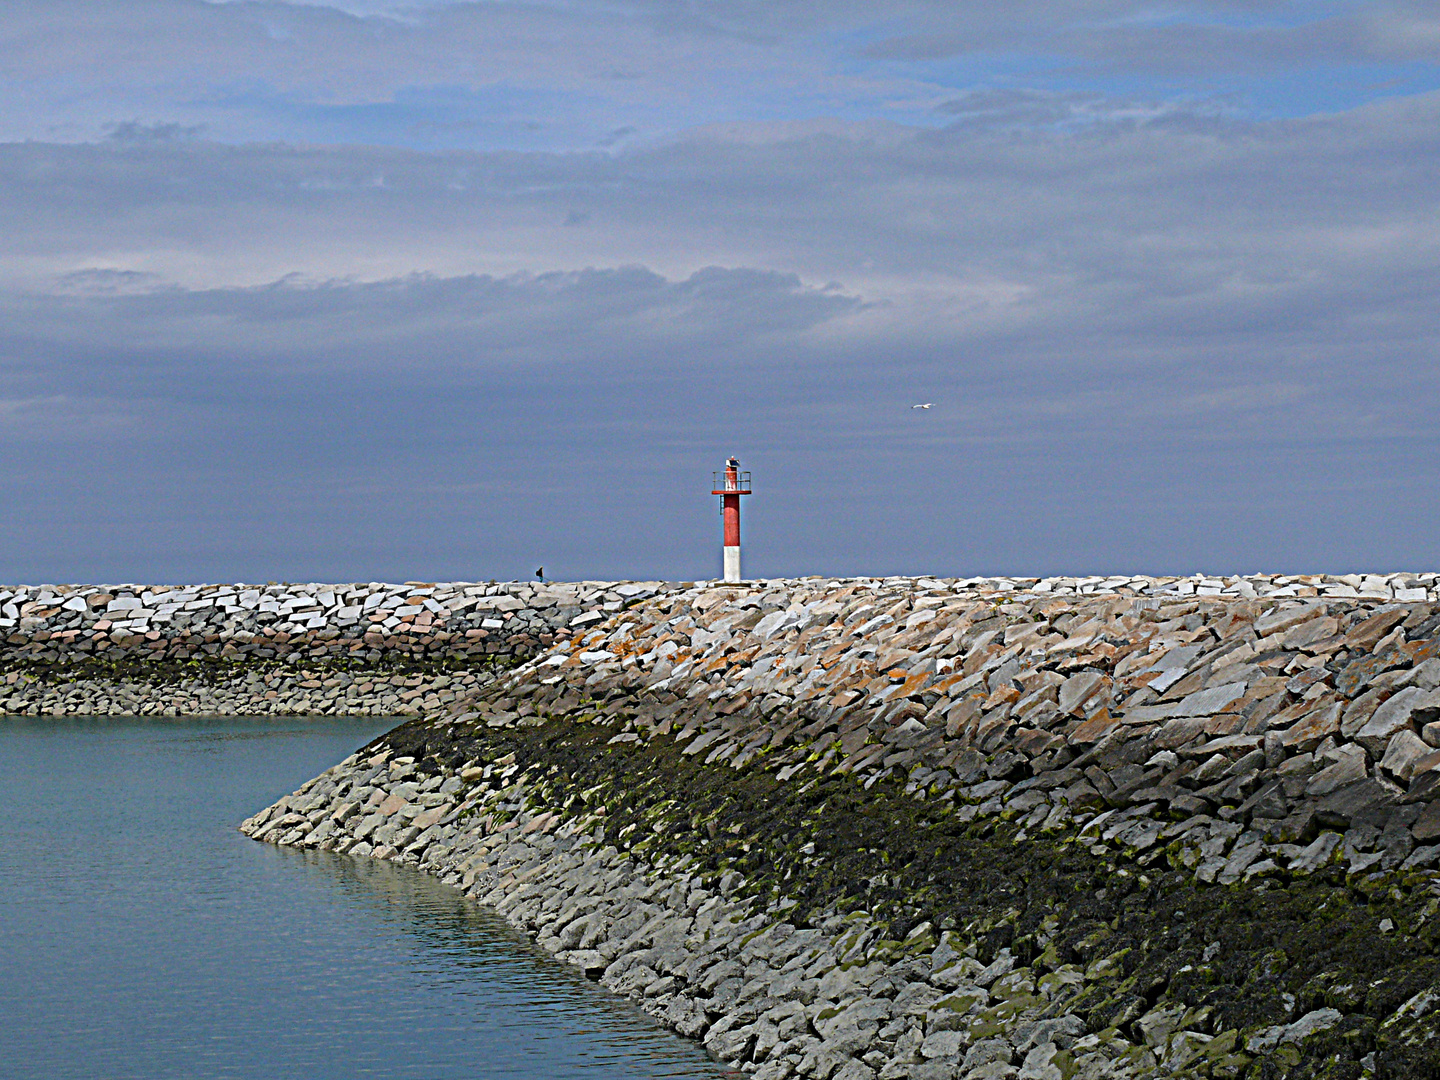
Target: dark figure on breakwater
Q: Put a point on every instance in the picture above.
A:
(540, 573)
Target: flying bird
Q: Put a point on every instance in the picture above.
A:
(927, 405)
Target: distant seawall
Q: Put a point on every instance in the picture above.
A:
(934, 829)
(372, 648)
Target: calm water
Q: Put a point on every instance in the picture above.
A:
(142, 936)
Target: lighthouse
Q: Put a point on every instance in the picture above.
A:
(730, 485)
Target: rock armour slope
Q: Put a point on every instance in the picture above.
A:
(927, 829)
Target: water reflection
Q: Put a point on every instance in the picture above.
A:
(144, 937)
(473, 950)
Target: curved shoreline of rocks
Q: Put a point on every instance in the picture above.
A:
(916, 828)
(838, 993)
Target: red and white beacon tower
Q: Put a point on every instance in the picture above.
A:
(730, 485)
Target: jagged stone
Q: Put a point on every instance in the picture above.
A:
(1403, 753)
(1410, 708)
(1357, 801)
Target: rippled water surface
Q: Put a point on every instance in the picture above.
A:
(142, 936)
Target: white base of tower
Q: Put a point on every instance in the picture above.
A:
(732, 564)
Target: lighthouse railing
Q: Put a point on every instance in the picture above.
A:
(723, 484)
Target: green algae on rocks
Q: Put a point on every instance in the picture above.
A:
(1232, 962)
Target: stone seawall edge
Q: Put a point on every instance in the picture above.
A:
(906, 829)
(372, 649)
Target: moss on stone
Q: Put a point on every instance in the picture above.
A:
(213, 670)
(1244, 957)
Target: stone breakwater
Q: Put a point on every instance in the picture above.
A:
(385, 649)
(372, 648)
(930, 829)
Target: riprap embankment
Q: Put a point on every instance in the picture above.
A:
(932, 829)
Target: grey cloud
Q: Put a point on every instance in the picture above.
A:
(1031, 108)
(48, 419)
(614, 138)
(1197, 49)
(103, 282)
(423, 326)
(1153, 212)
(250, 70)
(493, 74)
(1406, 31)
(133, 131)
(1124, 36)
(1154, 346)
(1156, 230)
(359, 429)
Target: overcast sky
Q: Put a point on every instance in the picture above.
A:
(354, 289)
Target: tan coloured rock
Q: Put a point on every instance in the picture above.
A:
(1350, 768)
(1094, 729)
(1308, 633)
(1371, 630)
(1397, 713)
(393, 804)
(1078, 689)
(1403, 753)
(1312, 729)
(1211, 700)
(1283, 617)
